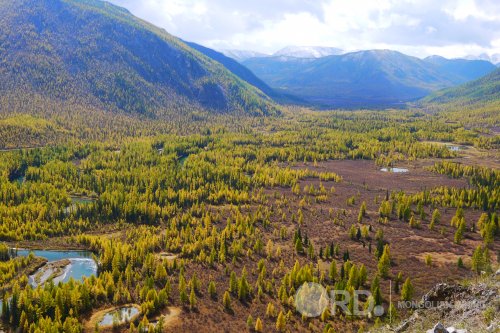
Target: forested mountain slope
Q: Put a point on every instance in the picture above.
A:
(97, 55)
(476, 103)
(482, 90)
(235, 67)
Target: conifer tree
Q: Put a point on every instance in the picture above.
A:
(281, 322)
(212, 292)
(226, 301)
(407, 290)
(258, 325)
(384, 263)
(192, 300)
(250, 323)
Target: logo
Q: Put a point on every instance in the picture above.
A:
(311, 299)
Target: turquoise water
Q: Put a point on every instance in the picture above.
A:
(395, 170)
(82, 264)
(182, 160)
(120, 316)
(20, 180)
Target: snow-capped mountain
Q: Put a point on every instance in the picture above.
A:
(242, 55)
(494, 58)
(308, 51)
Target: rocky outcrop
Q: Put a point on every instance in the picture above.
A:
(454, 308)
(439, 328)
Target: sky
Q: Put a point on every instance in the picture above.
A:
(450, 28)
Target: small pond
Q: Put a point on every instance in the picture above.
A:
(20, 180)
(82, 200)
(119, 316)
(182, 159)
(394, 170)
(75, 201)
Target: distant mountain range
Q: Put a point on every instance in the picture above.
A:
(494, 58)
(307, 52)
(92, 54)
(374, 78)
(242, 55)
(96, 54)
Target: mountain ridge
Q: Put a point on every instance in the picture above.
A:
(363, 78)
(101, 55)
(314, 52)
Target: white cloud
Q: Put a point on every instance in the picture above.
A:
(420, 27)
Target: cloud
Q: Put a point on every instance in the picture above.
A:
(446, 27)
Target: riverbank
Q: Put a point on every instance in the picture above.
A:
(50, 271)
(31, 268)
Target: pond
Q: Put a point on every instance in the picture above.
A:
(182, 159)
(75, 201)
(82, 200)
(119, 316)
(80, 264)
(20, 180)
(394, 170)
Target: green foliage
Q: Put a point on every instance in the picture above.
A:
(384, 263)
(407, 290)
(481, 261)
(226, 301)
(104, 70)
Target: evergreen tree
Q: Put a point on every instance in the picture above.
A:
(226, 301)
(258, 325)
(407, 290)
(250, 323)
(281, 322)
(212, 292)
(459, 234)
(384, 263)
(192, 300)
(332, 272)
(436, 217)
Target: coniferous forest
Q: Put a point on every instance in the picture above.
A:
(199, 204)
(227, 223)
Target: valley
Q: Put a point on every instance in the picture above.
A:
(230, 214)
(152, 184)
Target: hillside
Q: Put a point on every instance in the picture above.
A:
(364, 79)
(471, 306)
(100, 56)
(485, 89)
(475, 104)
(235, 67)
